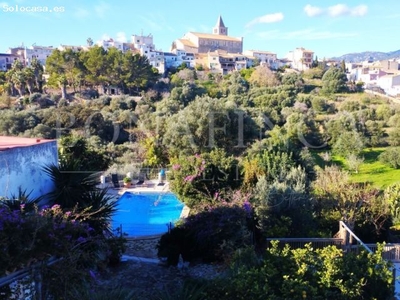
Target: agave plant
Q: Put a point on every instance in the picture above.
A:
(97, 209)
(71, 183)
(21, 201)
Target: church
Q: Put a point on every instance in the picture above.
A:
(196, 42)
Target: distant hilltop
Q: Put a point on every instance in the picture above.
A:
(368, 56)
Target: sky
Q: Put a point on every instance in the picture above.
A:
(329, 28)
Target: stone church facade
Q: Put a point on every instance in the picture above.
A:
(196, 42)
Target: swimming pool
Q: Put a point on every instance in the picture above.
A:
(146, 213)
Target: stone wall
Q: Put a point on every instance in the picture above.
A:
(22, 167)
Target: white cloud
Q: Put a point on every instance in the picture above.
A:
(269, 18)
(104, 37)
(101, 9)
(360, 10)
(336, 10)
(121, 37)
(313, 11)
(305, 34)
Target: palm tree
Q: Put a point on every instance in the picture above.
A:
(89, 42)
(38, 74)
(16, 77)
(29, 77)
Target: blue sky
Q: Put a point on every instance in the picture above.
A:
(329, 28)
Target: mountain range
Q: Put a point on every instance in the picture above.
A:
(368, 55)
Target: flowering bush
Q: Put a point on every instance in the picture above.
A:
(30, 237)
(27, 237)
(196, 179)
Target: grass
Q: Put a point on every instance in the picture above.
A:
(371, 170)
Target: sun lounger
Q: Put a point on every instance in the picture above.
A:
(115, 181)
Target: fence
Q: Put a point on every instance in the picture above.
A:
(296, 243)
(27, 283)
(347, 241)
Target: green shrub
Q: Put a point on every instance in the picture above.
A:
(34, 97)
(210, 235)
(307, 273)
(391, 157)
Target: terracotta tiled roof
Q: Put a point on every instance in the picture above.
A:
(186, 42)
(10, 142)
(216, 36)
(259, 51)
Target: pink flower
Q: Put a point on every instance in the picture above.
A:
(189, 178)
(176, 167)
(55, 206)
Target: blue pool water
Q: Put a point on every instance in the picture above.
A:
(146, 213)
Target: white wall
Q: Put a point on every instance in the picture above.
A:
(22, 167)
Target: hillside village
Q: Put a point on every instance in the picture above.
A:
(260, 151)
(219, 52)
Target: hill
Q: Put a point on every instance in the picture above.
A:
(368, 55)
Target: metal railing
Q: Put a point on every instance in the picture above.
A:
(390, 251)
(348, 237)
(296, 243)
(34, 272)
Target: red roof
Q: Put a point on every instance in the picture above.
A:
(10, 142)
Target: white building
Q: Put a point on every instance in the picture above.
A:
(73, 48)
(6, 61)
(110, 43)
(266, 58)
(146, 47)
(301, 59)
(221, 61)
(41, 53)
(26, 54)
(390, 84)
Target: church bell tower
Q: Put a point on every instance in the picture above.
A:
(220, 28)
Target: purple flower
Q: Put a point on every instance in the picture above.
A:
(189, 178)
(55, 206)
(81, 240)
(67, 214)
(92, 274)
(247, 207)
(22, 206)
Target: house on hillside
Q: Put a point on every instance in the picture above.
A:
(221, 61)
(301, 59)
(6, 61)
(390, 84)
(265, 58)
(21, 165)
